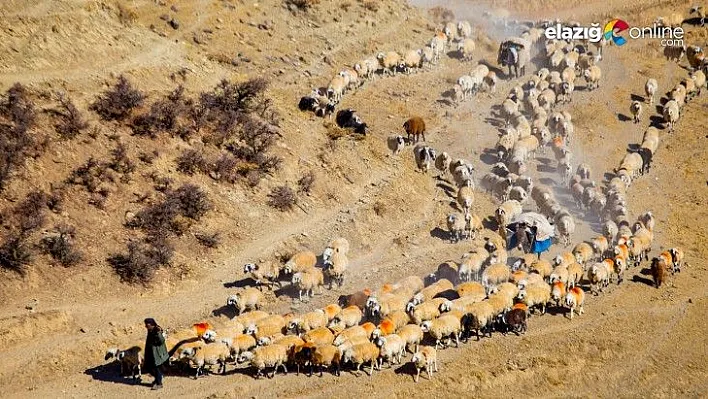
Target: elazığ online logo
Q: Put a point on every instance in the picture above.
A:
(669, 36)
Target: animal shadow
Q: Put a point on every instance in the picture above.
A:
(440, 234)
(636, 97)
(244, 282)
(110, 372)
(623, 118)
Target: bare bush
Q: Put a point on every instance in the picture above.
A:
(441, 14)
(163, 116)
(302, 4)
(209, 240)
(191, 200)
(71, 122)
(15, 254)
(148, 157)
(191, 161)
(282, 198)
(306, 182)
(225, 168)
(17, 117)
(120, 161)
(118, 102)
(90, 175)
(59, 244)
(141, 261)
(29, 214)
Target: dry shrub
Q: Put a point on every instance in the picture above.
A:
(226, 168)
(441, 14)
(120, 161)
(306, 182)
(15, 254)
(90, 175)
(71, 122)
(379, 208)
(335, 132)
(371, 5)
(17, 117)
(191, 200)
(191, 161)
(148, 157)
(61, 247)
(118, 102)
(164, 116)
(209, 240)
(142, 260)
(126, 15)
(282, 198)
(303, 4)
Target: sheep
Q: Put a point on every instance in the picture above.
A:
(367, 68)
(437, 44)
(505, 144)
(267, 327)
(466, 47)
(335, 267)
(515, 320)
(396, 144)
(678, 94)
(327, 356)
(547, 99)
(575, 274)
(535, 295)
(558, 292)
(479, 317)
(386, 304)
(455, 226)
(574, 300)
(264, 274)
(360, 354)
(699, 78)
(425, 311)
(465, 198)
(288, 341)
(389, 62)
(556, 58)
(592, 76)
(473, 225)
(677, 259)
(464, 29)
(347, 317)
(450, 30)
(426, 359)
(442, 163)
(349, 119)
(673, 20)
(411, 59)
(505, 213)
(599, 275)
(671, 114)
(445, 326)
(248, 298)
(409, 285)
(266, 356)
(412, 335)
(239, 343)
(471, 264)
(415, 128)
(674, 53)
(306, 281)
(565, 226)
(299, 262)
(495, 274)
(509, 108)
(392, 348)
(216, 353)
(473, 290)
(130, 360)
(650, 89)
(636, 109)
(308, 321)
(490, 81)
(424, 157)
(351, 77)
(462, 173)
(429, 292)
(319, 336)
(336, 88)
(583, 252)
(600, 245)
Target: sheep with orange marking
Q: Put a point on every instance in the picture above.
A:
(319, 336)
(364, 330)
(558, 292)
(471, 289)
(574, 300)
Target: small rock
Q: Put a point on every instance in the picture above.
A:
(174, 8)
(83, 330)
(174, 24)
(690, 300)
(165, 17)
(219, 20)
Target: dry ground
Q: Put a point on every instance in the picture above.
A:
(634, 341)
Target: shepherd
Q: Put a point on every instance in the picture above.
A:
(155, 352)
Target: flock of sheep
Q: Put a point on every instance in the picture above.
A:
(481, 293)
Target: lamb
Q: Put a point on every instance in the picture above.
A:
(336, 88)
(471, 264)
(299, 262)
(464, 29)
(455, 226)
(327, 356)
(426, 359)
(308, 321)
(347, 317)
(465, 198)
(266, 356)
(411, 334)
(515, 320)
(574, 301)
(389, 62)
(248, 298)
(490, 80)
(558, 292)
(335, 267)
(536, 295)
(264, 274)
(676, 259)
(306, 281)
(466, 47)
(396, 144)
(445, 326)
(424, 157)
(659, 271)
(411, 59)
(495, 274)
(216, 353)
(699, 79)
(566, 227)
(636, 109)
(671, 114)
(473, 225)
(360, 354)
(415, 128)
(337, 245)
(592, 76)
(130, 360)
(599, 276)
(650, 89)
(392, 348)
(425, 311)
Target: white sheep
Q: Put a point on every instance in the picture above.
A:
(411, 334)
(466, 47)
(455, 226)
(306, 281)
(411, 60)
(506, 212)
(490, 81)
(396, 144)
(471, 264)
(559, 273)
(429, 292)
(636, 109)
(465, 198)
(266, 356)
(248, 298)
(347, 317)
(479, 317)
(445, 326)
(427, 310)
(574, 300)
(360, 354)
(671, 114)
(427, 56)
(389, 61)
(337, 245)
(495, 274)
(437, 44)
(266, 274)
(130, 360)
(599, 276)
(536, 295)
(392, 348)
(650, 89)
(426, 359)
(216, 353)
(566, 227)
(308, 321)
(464, 29)
(592, 76)
(450, 30)
(335, 267)
(299, 262)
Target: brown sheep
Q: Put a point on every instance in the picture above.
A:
(415, 127)
(659, 271)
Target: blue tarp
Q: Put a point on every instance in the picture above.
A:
(541, 246)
